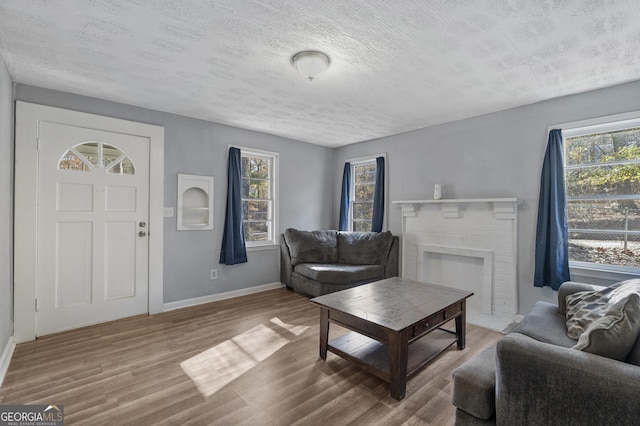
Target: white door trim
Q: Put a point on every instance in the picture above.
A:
(26, 185)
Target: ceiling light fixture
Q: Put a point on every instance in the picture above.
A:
(310, 63)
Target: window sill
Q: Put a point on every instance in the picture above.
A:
(264, 247)
(602, 272)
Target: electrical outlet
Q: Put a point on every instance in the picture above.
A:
(168, 212)
(214, 274)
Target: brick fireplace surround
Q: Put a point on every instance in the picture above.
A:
(469, 244)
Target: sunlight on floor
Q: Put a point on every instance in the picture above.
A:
(218, 366)
(295, 329)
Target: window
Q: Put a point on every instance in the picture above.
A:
(91, 155)
(259, 171)
(602, 178)
(364, 183)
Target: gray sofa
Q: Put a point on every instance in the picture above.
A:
(534, 377)
(320, 262)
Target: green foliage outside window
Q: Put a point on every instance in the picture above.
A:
(602, 177)
(364, 188)
(604, 164)
(256, 198)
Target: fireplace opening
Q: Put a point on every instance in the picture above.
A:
(462, 268)
(461, 272)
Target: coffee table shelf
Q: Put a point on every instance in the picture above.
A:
(373, 355)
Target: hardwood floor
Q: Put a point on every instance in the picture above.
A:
(250, 360)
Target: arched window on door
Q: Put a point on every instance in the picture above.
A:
(92, 155)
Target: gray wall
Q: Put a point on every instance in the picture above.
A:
(495, 155)
(6, 206)
(199, 147)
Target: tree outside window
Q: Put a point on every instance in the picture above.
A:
(258, 198)
(602, 177)
(364, 184)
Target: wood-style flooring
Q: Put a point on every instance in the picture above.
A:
(250, 360)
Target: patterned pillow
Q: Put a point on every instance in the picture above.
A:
(614, 334)
(585, 307)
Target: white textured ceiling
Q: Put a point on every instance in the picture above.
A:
(396, 65)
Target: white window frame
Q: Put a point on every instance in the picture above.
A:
(586, 127)
(273, 158)
(361, 161)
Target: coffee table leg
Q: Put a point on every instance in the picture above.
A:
(324, 332)
(461, 326)
(398, 355)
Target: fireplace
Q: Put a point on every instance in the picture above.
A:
(469, 244)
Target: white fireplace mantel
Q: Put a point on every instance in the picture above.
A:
(503, 208)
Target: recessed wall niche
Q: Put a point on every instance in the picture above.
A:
(195, 202)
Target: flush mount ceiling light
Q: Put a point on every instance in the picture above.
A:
(310, 64)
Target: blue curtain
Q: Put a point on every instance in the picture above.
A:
(552, 236)
(233, 246)
(378, 197)
(344, 197)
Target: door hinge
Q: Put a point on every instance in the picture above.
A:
(37, 306)
(38, 145)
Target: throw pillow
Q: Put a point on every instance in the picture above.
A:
(614, 334)
(311, 246)
(585, 307)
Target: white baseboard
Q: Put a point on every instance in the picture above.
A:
(5, 359)
(219, 296)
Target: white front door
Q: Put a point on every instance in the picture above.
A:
(92, 227)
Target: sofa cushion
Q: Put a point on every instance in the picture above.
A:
(312, 246)
(634, 353)
(474, 385)
(364, 248)
(465, 419)
(585, 307)
(545, 324)
(615, 333)
(339, 274)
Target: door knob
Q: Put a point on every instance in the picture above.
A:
(142, 234)
(142, 224)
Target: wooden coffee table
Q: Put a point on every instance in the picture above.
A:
(396, 326)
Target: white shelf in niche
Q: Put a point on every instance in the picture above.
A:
(195, 202)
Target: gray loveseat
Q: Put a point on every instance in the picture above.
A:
(320, 262)
(533, 377)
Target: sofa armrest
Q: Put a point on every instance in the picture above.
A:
(285, 263)
(570, 287)
(391, 266)
(539, 383)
